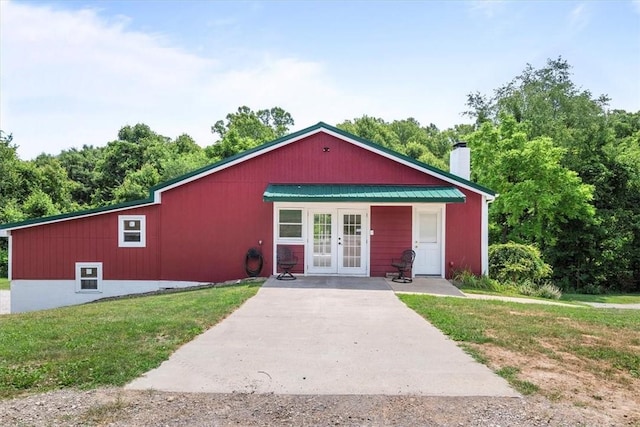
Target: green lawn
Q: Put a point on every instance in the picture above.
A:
(568, 298)
(108, 343)
(512, 338)
(607, 298)
(4, 284)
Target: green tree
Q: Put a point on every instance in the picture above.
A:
(246, 129)
(80, 165)
(136, 146)
(408, 137)
(11, 181)
(39, 204)
(538, 195)
(54, 181)
(372, 129)
(593, 254)
(136, 184)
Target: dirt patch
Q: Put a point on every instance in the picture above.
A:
(566, 379)
(116, 407)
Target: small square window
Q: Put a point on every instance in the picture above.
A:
(88, 276)
(131, 231)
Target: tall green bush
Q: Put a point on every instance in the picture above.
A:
(517, 263)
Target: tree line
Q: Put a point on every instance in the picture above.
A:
(566, 167)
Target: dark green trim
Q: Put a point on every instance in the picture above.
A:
(239, 156)
(84, 212)
(362, 193)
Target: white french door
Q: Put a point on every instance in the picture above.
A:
(337, 241)
(427, 241)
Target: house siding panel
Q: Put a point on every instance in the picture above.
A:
(463, 236)
(49, 252)
(392, 235)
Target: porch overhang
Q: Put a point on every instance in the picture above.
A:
(362, 193)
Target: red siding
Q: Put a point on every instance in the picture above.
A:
(222, 215)
(202, 230)
(51, 251)
(463, 236)
(392, 235)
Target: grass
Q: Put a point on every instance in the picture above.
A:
(510, 373)
(567, 298)
(606, 298)
(603, 342)
(4, 284)
(108, 343)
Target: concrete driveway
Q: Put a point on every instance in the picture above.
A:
(324, 336)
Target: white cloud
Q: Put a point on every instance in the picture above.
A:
(487, 8)
(73, 77)
(579, 18)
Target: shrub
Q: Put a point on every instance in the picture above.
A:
(548, 290)
(527, 288)
(466, 279)
(516, 264)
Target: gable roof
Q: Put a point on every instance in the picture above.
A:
(155, 193)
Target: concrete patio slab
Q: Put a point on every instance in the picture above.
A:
(427, 285)
(324, 336)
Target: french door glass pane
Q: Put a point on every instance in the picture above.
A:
(352, 240)
(322, 240)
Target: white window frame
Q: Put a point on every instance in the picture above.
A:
(79, 267)
(302, 225)
(122, 219)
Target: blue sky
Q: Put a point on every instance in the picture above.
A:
(75, 72)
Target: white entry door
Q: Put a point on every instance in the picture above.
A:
(337, 239)
(427, 238)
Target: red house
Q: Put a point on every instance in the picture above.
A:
(346, 206)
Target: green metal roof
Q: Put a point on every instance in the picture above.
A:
(361, 193)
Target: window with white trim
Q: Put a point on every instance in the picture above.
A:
(290, 224)
(88, 277)
(132, 231)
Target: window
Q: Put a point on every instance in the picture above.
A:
(132, 231)
(290, 224)
(88, 276)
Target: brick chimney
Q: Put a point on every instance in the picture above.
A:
(460, 160)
